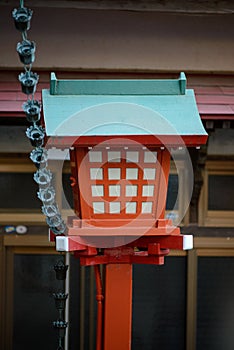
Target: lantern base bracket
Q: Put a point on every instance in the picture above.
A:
(95, 245)
(147, 249)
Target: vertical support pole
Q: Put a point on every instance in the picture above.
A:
(9, 298)
(67, 291)
(191, 300)
(91, 308)
(118, 307)
(2, 292)
(82, 307)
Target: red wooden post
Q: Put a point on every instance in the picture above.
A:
(118, 307)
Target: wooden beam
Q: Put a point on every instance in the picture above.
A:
(179, 6)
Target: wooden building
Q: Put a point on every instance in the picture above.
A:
(188, 303)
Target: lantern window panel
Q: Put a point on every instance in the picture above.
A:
(114, 207)
(131, 207)
(149, 173)
(131, 190)
(148, 190)
(114, 173)
(98, 207)
(150, 157)
(96, 173)
(97, 190)
(131, 173)
(95, 156)
(146, 207)
(114, 156)
(114, 190)
(132, 157)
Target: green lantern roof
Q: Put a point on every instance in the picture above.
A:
(152, 112)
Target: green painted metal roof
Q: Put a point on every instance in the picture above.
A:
(121, 108)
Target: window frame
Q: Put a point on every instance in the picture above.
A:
(22, 164)
(218, 218)
(180, 170)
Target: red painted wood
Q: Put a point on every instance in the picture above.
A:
(217, 117)
(154, 247)
(215, 99)
(215, 109)
(211, 100)
(11, 106)
(12, 96)
(206, 90)
(227, 90)
(136, 232)
(149, 140)
(82, 176)
(16, 96)
(118, 307)
(12, 115)
(15, 86)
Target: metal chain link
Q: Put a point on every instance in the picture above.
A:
(39, 155)
(36, 133)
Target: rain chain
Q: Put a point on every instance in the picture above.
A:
(60, 304)
(36, 133)
(39, 155)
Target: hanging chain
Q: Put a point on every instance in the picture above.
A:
(39, 155)
(60, 303)
(36, 133)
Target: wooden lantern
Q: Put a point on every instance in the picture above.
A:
(120, 133)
